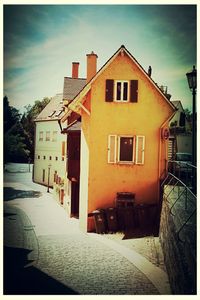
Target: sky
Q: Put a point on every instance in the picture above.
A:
(42, 41)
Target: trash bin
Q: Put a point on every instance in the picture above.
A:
(146, 215)
(100, 221)
(121, 218)
(129, 218)
(111, 216)
(124, 199)
(125, 212)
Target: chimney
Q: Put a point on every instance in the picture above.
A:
(91, 65)
(149, 71)
(75, 66)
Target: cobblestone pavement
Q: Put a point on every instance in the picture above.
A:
(86, 265)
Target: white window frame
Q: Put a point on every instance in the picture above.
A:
(115, 148)
(118, 154)
(48, 139)
(143, 150)
(41, 136)
(122, 90)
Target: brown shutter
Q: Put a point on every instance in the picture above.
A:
(109, 90)
(134, 91)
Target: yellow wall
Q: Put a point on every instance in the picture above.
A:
(142, 118)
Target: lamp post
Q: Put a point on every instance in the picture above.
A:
(49, 167)
(192, 82)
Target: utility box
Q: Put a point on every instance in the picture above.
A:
(111, 216)
(100, 221)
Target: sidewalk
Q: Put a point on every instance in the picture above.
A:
(85, 264)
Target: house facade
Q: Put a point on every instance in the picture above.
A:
(50, 144)
(180, 139)
(71, 131)
(123, 134)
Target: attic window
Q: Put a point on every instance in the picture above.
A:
(59, 112)
(51, 115)
(121, 91)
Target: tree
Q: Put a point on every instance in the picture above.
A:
(27, 122)
(19, 131)
(15, 148)
(10, 115)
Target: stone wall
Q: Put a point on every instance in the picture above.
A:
(179, 249)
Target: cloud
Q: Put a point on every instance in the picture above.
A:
(37, 58)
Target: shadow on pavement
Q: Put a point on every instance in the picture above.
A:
(140, 233)
(10, 194)
(20, 280)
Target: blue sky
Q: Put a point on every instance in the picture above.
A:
(41, 41)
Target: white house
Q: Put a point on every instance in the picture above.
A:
(180, 139)
(50, 144)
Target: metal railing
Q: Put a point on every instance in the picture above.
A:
(185, 172)
(182, 192)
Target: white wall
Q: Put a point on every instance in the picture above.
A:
(47, 149)
(184, 143)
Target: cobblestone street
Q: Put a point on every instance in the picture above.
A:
(69, 261)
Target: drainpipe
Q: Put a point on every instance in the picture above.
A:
(159, 154)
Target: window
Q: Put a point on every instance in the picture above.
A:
(54, 137)
(121, 90)
(56, 157)
(44, 157)
(47, 135)
(63, 148)
(51, 114)
(38, 156)
(41, 136)
(112, 148)
(63, 158)
(50, 157)
(58, 113)
(140, 144)
(126, 149)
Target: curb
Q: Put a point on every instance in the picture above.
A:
(157, 276)
(29, 236)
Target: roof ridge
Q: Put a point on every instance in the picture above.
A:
(75, 78)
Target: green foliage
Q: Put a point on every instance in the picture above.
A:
(19, 131)
(10, 115)
(15, 149)
(27, 122)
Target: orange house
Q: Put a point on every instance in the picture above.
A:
(124, 131)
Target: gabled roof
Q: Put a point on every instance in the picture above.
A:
(74, 127)
(79, 98)
(178, 105)
(72, 86)
(54, 110)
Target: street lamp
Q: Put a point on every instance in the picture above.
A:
(49, 167)
(192, 82)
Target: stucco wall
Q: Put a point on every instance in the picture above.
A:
(47, 149)
(142, 118)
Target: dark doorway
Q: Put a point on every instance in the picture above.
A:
(75, 199)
